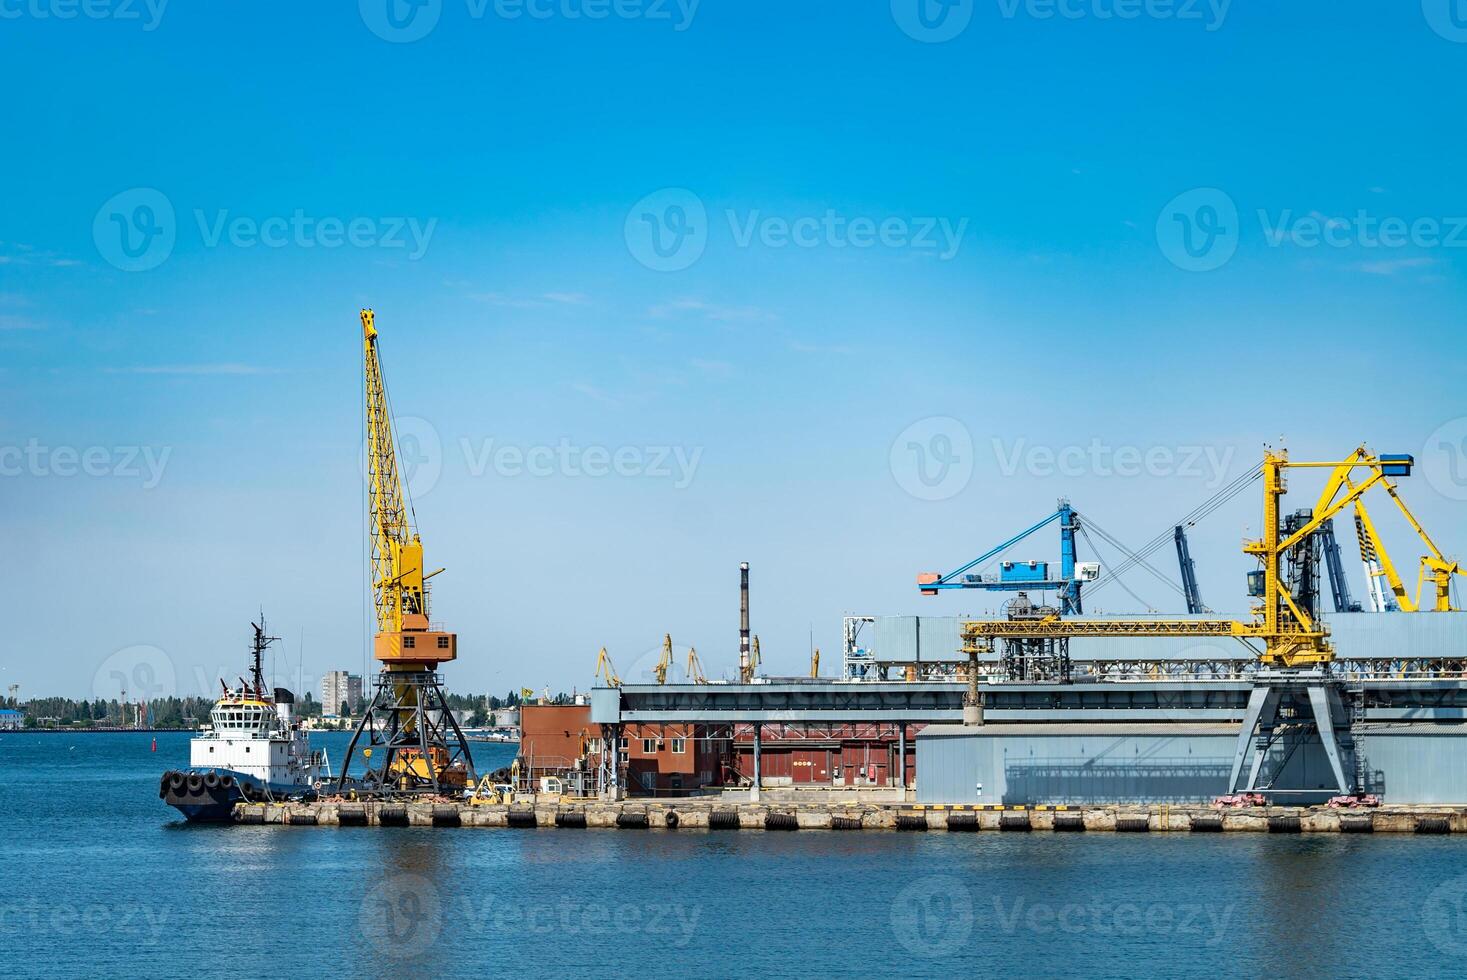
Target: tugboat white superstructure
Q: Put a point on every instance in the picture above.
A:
(253, 749)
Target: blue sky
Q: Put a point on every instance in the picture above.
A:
(1065, 231)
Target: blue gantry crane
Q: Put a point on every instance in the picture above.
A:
(1025, 576)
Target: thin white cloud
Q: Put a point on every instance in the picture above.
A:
(9, 321)
(192, 369)
(531, 302)
(1389, 267)
(711, 311)
(592, 392)
(802, 347)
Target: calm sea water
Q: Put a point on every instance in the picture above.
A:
(100, 878)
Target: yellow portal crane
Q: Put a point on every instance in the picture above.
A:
(422, 747)
(665, 661)
(695, 667)
(1291, 638)
(399, 585)
(605, 669)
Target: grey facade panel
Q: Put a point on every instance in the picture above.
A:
(1100, 767)
(1426, 766)
(896, 638)
(1093, 764)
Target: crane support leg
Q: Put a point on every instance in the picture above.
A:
(1324, 700)
(1316, 708)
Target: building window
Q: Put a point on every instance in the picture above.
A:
(593, 746)
(623, 745)
(649, 746)
(680, 745)
(409, 642)
(649, 780)
(443, 643)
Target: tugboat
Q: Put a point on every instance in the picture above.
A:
(254, 749)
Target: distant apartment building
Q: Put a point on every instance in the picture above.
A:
(11, 720)
(337, 687)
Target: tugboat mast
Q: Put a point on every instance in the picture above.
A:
(257, 653)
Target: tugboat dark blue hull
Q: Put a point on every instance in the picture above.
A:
(201, 797)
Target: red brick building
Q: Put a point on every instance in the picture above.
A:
(674, 759)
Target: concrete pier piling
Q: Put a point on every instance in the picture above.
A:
(704, 814)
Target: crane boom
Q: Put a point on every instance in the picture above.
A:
(399, 583)
(1189, 572)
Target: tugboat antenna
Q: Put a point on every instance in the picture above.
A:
(257, 651)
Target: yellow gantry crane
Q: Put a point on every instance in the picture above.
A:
(1291, 637)
(424, 747)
